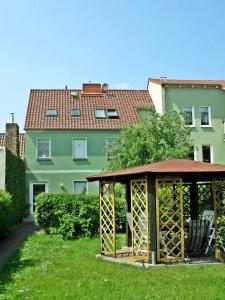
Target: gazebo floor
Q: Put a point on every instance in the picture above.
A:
(124, 256)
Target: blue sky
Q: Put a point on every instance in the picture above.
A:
(50, 44)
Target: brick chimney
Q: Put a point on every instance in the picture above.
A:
(92, 88)
(12, 138)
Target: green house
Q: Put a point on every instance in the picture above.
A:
(69, 134)
(202, 103)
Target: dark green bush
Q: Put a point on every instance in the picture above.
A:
(72, 215)
(121, 213)
(6, 212)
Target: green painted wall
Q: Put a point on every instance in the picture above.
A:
(177, 98)
(62, 169)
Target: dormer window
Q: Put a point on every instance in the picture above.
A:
(112, 114)
(52, 112)
(75, 112)
(100, 113)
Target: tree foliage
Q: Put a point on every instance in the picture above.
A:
(157, 138)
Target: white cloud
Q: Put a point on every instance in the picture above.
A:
(121, 85)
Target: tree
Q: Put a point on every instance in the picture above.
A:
(156, 138)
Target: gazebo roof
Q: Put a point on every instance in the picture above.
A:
(174, 166)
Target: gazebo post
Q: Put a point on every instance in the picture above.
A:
(193, 200)
(128, 200)
(152, 217)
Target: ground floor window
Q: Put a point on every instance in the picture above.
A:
(80, 186)
(207, 153)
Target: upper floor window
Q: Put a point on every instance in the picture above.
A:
(205, 116)
(80, 186)
(79, 148)
(43, 148)
(110, 143)
(52, 112)
(75, 112)
(192, 153)
(189, 116)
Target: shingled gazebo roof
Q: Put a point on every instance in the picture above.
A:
(174, 166)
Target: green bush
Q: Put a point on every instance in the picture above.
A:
(6, 212)
(121, 213)
(72, 215)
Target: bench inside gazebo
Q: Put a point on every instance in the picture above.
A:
(172, 208)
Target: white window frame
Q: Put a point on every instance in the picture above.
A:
(209, 114)
(81, 180)
(85, 148)
(102, 109)
(31, 187)
(107, 138)
(211, 152)
(193, 116)
(50, 149)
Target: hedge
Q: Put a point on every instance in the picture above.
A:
(6, 212)
(73, 215)
(15, 184)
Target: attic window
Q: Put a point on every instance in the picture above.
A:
(100, 113)
(75, 112)
(52, 112)
(112, 114)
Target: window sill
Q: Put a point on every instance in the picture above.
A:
(44, 158)
(80, 158)
(190, 126)
(206, 126)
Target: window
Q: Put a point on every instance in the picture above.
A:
(75, 112)
(189, 116)
(79, 148)
(52, 112)
(206, 153)
(112, 114)
(80, 186)
(43, 148)
(110, 143)
(205, 116)
(100, 113)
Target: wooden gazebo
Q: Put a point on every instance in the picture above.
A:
(155, 194)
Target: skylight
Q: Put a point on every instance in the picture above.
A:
(52, 112)
(112, 114)
(75, 112)
(100, 113)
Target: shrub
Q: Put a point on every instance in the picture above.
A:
(72, 215)
(121, 213)
(6, 212)
(220, 235)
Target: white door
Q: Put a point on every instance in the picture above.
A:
(35, 189)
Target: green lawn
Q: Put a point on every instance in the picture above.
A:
(46, 267)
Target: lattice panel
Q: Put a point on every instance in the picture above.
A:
(170, 227)
(204, 196)
(186, 200)
(139, 217)
(107, 219)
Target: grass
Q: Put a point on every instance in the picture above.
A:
(46, 267)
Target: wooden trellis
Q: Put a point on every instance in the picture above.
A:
(169, 214)
(204, 196)
(107, 219)
(219, 206)
(139, 218)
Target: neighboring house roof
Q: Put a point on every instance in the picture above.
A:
(21, 140)
(163, 81)
(173, 166)
(126, 102)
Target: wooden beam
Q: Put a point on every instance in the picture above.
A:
(152, 217)
(128, 200)
(193, 200)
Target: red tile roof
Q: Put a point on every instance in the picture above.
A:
(165, 166)
(21, 140)
(126, 102)
(220, 83)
